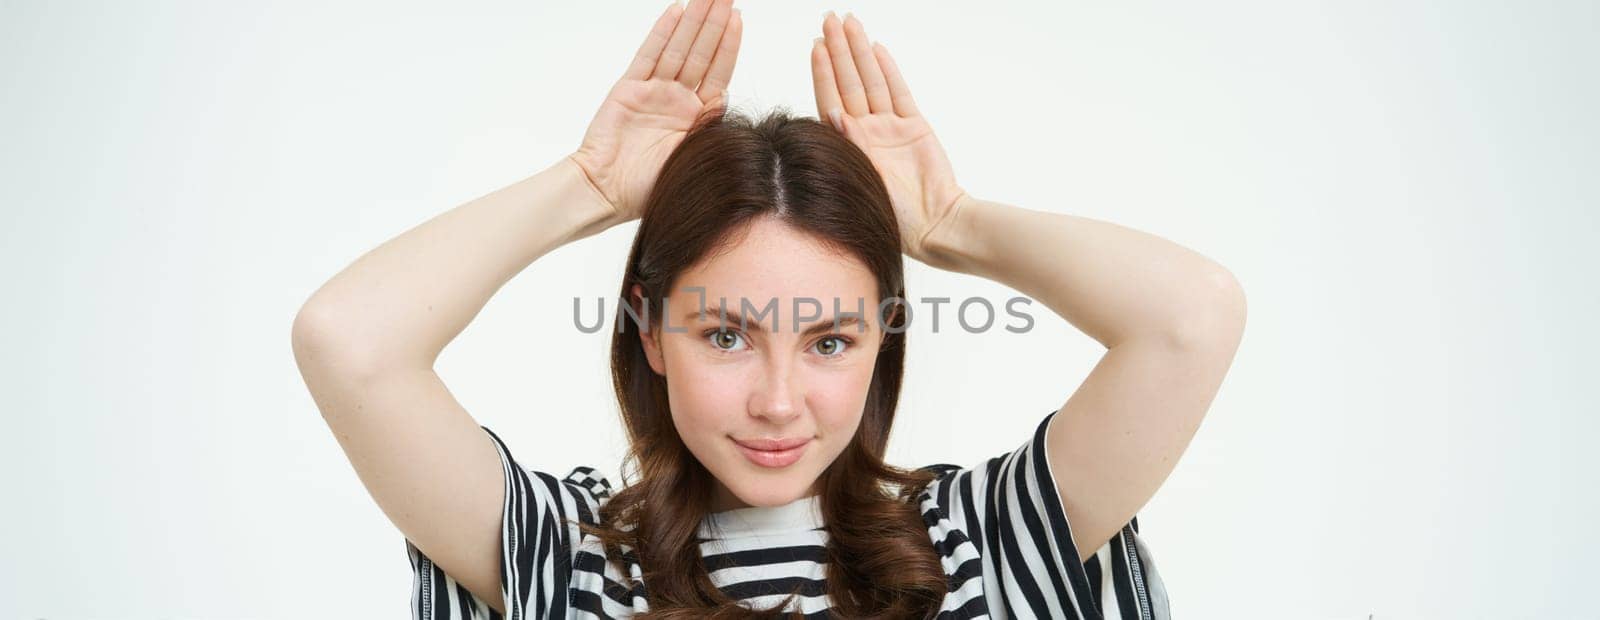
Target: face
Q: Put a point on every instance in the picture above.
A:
(742, 396)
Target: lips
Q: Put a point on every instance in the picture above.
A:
(773, 444)
(781, 452)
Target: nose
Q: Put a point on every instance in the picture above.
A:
(778, 398)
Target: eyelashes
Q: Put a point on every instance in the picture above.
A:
(717, 337)
(718, 333)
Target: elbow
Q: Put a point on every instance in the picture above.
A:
(1215, 315)
(306, 333)
(321, 346)
(1228, 298)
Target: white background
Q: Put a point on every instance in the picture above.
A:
(1407, 192)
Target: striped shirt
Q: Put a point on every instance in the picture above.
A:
(999, 529)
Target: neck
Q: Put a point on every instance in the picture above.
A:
(722, 499)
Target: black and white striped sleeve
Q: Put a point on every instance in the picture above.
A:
(538, 538)
(1009, 508)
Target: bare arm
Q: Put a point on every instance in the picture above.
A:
(366, 341)
(1170, 319)
(399, 304)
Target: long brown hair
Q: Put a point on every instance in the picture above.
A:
(728, 170)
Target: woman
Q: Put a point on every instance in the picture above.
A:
(760, 486)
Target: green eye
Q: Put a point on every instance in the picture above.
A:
(723, 339)
(837, 342)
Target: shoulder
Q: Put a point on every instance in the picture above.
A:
(934, 501)
(590, 481)
(574, 496)
(585, 490)
(942, 474)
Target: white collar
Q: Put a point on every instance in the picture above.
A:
(799, 515)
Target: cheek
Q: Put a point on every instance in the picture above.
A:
(836, 398)
(705, 398)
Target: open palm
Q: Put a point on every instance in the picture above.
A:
(860, 89)
(681, 71)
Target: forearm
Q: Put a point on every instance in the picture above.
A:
(1112, 282)
(398, 305)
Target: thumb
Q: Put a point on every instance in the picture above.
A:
(841, 122)
(717, 107)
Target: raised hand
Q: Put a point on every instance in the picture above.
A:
(860, 91)
(680, 71)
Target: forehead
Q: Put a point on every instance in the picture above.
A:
(772, 260)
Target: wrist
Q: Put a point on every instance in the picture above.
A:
(586, 208)
(947, 242)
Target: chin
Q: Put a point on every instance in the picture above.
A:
(768, 493)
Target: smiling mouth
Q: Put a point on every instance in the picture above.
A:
(773, 453)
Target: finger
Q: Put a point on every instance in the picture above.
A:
(904, 105)
(872, 82)
(644, 61)
(720, 74)
(705, 44)
(682, 37)
(822, 81)
(844, 68)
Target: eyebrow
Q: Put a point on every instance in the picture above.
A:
(819, 327)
